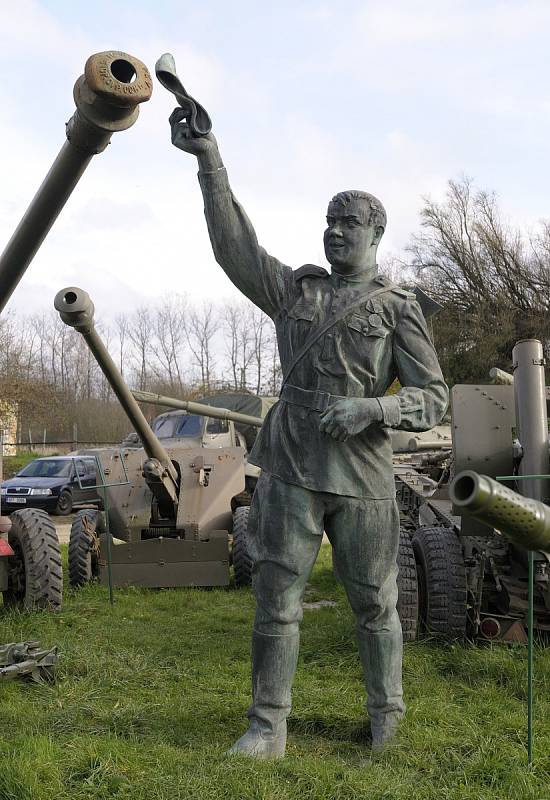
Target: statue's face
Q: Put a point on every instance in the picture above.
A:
(350, 240)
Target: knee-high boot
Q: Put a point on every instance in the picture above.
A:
(274, 660)
(381, 657)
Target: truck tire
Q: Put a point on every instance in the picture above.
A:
(407, 586)
(441, 581)
(242, 563)
(84, 548)
(35, 574)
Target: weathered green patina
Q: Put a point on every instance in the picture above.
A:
(325, 449)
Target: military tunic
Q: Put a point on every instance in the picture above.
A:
(360, 356)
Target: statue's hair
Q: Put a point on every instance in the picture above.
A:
(377, 212)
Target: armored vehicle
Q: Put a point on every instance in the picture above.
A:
(107, 98)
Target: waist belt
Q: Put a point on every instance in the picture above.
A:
(307, 398)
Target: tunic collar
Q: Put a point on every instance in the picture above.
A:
(357, 281)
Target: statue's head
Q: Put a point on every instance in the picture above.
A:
(355, 224)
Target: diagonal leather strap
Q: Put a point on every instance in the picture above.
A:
(196, 116)
(330, 323)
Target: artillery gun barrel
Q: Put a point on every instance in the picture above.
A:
(107, 99)
(435, 444)
(500, 377)
(77, 310)
(523, 520)
(197, 408)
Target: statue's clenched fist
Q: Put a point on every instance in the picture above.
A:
(350, 416)
(183, 138)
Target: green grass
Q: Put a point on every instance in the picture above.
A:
(150, 694)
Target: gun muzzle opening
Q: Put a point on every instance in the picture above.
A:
(75, 308)
(123, 71)
(470, 491)
(107, 97)
(464, 489)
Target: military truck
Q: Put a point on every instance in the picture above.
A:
(107, 98)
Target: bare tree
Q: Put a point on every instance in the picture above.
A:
(201, 326)
(490, 279)
(170, 338)
(261, 327)
(239, 335)
(140, 333)
(122, 325)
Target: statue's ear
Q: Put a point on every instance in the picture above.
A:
(378, 233)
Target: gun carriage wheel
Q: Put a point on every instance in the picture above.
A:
(242, 563)
(35, 577)
(84, 547)
(407, 586)
(441, 581)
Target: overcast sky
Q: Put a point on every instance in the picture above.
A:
(307, 98)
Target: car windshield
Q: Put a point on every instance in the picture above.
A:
(178, 425)
(47, 468)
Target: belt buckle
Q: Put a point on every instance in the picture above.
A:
(322, 400)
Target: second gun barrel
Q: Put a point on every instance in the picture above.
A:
(523, 520)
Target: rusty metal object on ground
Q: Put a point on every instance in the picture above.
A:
(107, 99)
(27, 660)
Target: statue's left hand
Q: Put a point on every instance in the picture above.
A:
(183, 138)
(350, 416)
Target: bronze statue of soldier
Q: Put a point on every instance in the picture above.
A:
(324, 449)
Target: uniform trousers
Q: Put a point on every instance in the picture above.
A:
(284, 536)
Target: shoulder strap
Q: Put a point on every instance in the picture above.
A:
(330, 323)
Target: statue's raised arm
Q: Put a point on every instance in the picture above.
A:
(263, 279)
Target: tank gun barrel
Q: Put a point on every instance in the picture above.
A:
(197, 408)
(107, 98)
(77, 310)
(523, 520)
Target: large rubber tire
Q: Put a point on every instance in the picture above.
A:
(441, 582)
(407, 585)
(242, 563)
(84, 547)
(35, 572)
(64, 504)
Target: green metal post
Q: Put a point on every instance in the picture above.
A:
(107, 531)
(530, 626)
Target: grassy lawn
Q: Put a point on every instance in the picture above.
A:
(150, 693)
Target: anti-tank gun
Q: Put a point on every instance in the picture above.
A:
(173, 505)
(107, 98)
